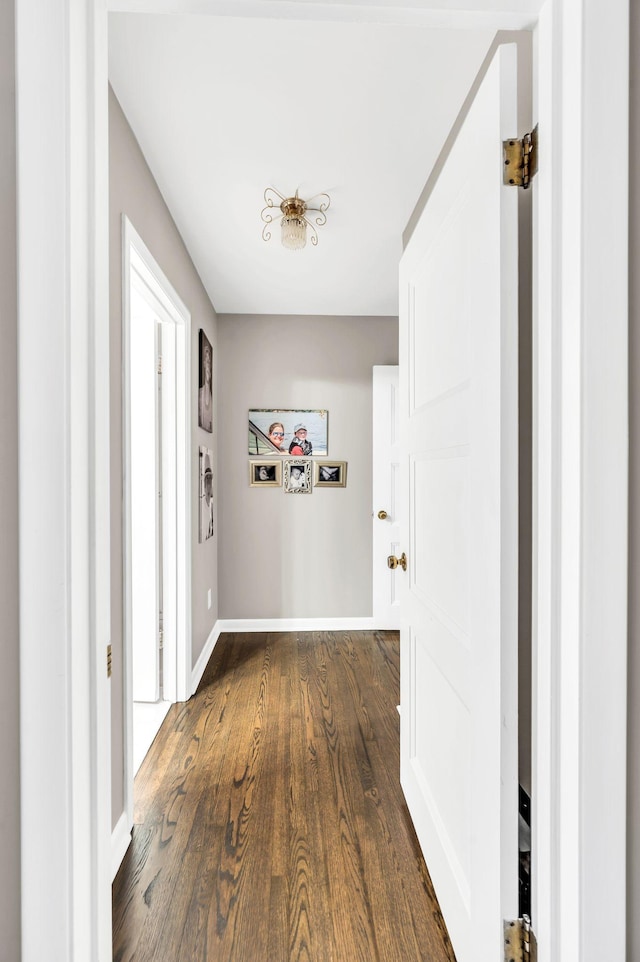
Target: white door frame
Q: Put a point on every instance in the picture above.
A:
(580, 484)
(138, 260)
(580, 452)
(385, 494)
(63, 370)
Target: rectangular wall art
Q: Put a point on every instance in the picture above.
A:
(205, 526)
(292, 433)
(205, 383)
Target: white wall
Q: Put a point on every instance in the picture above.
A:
(291, 556)
(9, 678)
(134, 192)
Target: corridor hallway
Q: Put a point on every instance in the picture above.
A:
(269, 819)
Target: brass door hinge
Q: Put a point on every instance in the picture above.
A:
(519, 941)
(520, 160)
(108, 661)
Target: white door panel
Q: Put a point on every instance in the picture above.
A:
(458, 423)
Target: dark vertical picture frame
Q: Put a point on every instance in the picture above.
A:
(205, 383)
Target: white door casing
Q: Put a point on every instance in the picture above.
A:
(580, 457)
(459, 436)
(63, 331)
(141, 269)
(144, 480)
(385, 489)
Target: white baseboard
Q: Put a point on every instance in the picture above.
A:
(296, 624)
(205, 655)
(273, 624)
(120, 841)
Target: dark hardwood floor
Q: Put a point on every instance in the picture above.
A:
(269, 820)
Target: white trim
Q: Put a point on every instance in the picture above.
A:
(296, 624)
(385, 494)
(595, 477)
(545, 538)
(205, 655)
(120, 842)
(580, 496)
(441, 14)
(137, 258)
(61, 78)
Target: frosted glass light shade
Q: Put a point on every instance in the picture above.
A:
(294, 233)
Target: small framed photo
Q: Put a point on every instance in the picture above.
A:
(265, 474)
(297, 476)
(330, 474)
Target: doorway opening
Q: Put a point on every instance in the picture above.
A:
(157, 500)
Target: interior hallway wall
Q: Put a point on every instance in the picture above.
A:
(283, 555)
(134, 192)
(9, 614)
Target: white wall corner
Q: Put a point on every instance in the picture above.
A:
(120, 841)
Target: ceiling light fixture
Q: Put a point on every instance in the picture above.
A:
(294, 220)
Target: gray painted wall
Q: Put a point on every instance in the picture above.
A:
(134, 192)
(633, 818)
(9, 676)
(289, 556)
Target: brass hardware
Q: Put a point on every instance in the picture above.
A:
(393, 562)
(520, 160)
(519, 941)
(293, 207)
(382, 515)
(108, 661)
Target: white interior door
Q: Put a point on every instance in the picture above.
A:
(386, 491)
(458, 422)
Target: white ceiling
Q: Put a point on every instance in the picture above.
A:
(224, 107)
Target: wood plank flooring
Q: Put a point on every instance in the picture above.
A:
(269, 819)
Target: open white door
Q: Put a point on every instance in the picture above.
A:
(458, 423)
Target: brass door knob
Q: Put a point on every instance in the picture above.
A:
(394, 562)
(382, 515)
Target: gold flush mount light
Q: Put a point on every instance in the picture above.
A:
(294, 220)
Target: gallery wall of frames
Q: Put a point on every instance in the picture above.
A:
(289, 450)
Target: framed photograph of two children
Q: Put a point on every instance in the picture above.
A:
(289, 433)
